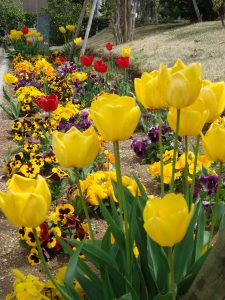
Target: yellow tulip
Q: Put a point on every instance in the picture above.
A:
(214, 141)
(126, 52)
(62, 29)
(147, 90)
(26, 201)
(166, 220)
(10, 79)
(70, 27)
(75, 149)
(40, 38)
(192, 119)
(115, 117)
(78, 41)
(213, 96)
(180, 88)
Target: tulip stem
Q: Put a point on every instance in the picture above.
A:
(194, 172)
(84, 205)
(171, 265)
(186, 191)
(216, 204)
(175, 151)
(47, 270)
(161, 152)
(122, 205)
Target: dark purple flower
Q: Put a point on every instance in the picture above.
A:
(210, 183)
(153, 134)
(139, 147)
(66, 68)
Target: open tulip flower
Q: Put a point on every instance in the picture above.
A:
(166, 220)
(26, 201)
(10, 79)
(86, 60)
(115, 117)
(100, 66)
(192, 119)
(213, 96)
(213, 141)
(180, 87)
(48, 104)
(123, 62)
(75, 149)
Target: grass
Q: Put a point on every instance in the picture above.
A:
(152, 45)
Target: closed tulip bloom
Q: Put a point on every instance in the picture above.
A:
(126, 52)
(147, 91)
(75, 149)
(192, 119)
(26, 201)
(115, 117)
(166, 220)
(62, 29)
(100, 66)
(123, 62)
(214, 141)
(10, 79)
(180, 88)
(213, 96)
(77, 41)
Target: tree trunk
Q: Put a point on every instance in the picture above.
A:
(199, 16)
(124, 20)
(210, 281)
(79, 23)
(88, 26)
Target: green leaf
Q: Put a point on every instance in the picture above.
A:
(126, 297)
(115, 228)
(93, 290)
(167, 296)
(185, 284)
(158, 265)
(72, 265)
(183, 252)
(199, 238)
(114, 210)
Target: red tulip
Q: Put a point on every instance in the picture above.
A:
(29, 43)
(48, 104)
(100, 66)
(25, 30)
(109, 46)
(123, 62)
(62, 58)
(86, 60)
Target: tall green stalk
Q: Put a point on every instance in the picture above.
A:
(186, 185)
(84, 205)
(175, 151)
(161, 153)
(213, 224)
(47, 270)
(171, 265)
(122, 206)
(194, 173)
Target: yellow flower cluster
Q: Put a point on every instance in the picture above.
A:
(43, 66)
(99, 185)
(154, 169)
(31, 287)
(27, 94)
(64, 112)
(81, 76)
(24, 65)
(15, 34)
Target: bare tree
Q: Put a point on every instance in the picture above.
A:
(124, 20)
(219, 7)
(199, 16)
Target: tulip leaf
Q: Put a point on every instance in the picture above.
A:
(116, 231)
(185, 284)
(218, 212)
(114, 211)
(183, 252)
(72, 265)
(126, 297)
(199, 238)
(167, 296)
(71, 292)
(222, 223)
(158, 265)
